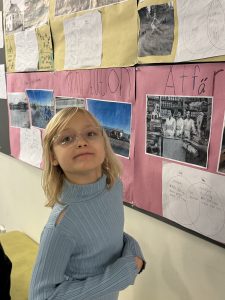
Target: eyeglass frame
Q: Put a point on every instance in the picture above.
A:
(76, 137)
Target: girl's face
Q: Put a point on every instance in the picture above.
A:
(79, 149)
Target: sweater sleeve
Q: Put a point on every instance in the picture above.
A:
(131, 247)
(49, 281)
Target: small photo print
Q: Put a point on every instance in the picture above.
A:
(19, 110)
(178, 128)
(42, 107)
(63, 102)
(63, 7)
(156, 35)
(115, 118)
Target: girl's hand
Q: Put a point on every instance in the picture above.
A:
(139, 263)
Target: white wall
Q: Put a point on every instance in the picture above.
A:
(180, 266)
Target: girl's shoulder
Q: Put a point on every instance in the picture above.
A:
(57, 211)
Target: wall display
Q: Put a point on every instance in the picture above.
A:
(101, 28)
(165, 122)
(180, 30)
(160, 89)
(115, 117)
(27, 36)
(72, 88)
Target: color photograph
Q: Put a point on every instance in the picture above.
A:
(115, 118)
(42, 107)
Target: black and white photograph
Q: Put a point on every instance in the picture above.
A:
(63, 7)
(62, 102)
(178, 128)
(42, 107)
(115, 118)
(19, 110)
(99, 3)
(20, 15)
(156, 35)
(36, 13)
(13, 15)
(154, 127)
(221, 162)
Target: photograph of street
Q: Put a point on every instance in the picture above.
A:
(115, 118)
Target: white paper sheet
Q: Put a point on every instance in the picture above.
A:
(26, 51)
(194, 199)
(2, 82)
(83, 41)
(1, 32)
(201, 29)
(30, 146)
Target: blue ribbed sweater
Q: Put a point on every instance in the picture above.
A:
(87, 255)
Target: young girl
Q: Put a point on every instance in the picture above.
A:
(83, 253)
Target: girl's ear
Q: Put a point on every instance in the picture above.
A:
(54, 161)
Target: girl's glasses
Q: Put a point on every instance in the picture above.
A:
(89, 134)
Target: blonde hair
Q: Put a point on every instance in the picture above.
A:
(53, 176)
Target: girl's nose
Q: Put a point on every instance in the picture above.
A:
(80, 142)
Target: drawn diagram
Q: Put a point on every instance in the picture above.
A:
(201, 29)
(194, 199)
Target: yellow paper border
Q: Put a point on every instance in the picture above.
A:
(119, 41)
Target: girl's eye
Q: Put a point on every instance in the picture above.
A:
(67, 139)
(92, 133)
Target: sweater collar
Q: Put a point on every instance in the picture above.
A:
(72, 192)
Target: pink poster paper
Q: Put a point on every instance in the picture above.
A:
(116, 84)
(182, 80)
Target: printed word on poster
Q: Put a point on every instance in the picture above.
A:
(194, 199)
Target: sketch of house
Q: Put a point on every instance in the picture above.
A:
(13, 18)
